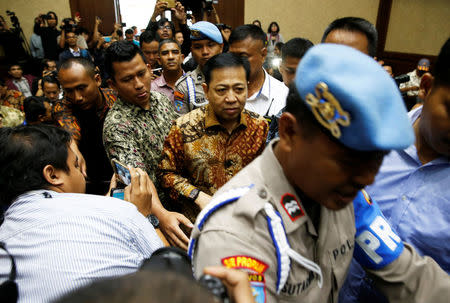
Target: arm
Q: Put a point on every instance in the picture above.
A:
(95, 34)
(172, 167)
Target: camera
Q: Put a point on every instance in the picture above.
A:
(176, 260)
(209, 4)
(67, 26)
(401, 79)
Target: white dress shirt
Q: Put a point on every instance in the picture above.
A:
(63, 241)
(270, 99)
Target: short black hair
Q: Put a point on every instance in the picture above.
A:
(355, 24)
(147, 37)
(26, 150)
(269, 29)
(33, 107)
(50, 79)
(167, 41)
(223, 61)
(296, 47)
(14, 64)
(129, 31)
(87, 64)
(297, 107)
(247, 30)
(54, 14)
(45, 62)
(120, 51)
(441, 70)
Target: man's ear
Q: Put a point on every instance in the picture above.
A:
(53, 176)
(425, 85)
(150, 67)
(264, 52)
(205, 88)
(98, 79)
(287, 129)
(112, 84)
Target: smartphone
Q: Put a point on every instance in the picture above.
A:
(107, 39)
(170, 3)
(122, 171)
(118, 193)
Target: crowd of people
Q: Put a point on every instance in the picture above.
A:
(288, 171)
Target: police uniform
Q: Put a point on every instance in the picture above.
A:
(258, 223)
(189, 93)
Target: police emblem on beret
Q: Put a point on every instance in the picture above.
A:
(196, 33)
(327, 110)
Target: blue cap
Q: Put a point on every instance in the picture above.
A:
(205, 30)
(353, 97)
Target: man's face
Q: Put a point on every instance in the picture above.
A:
(226, 32)
(132, 81)
(16, 71)
(51, 91)
(170, 57)
(73, 180)
(324, 170)
(71, 39)
(129, 37)
(150, 51)
(51, 21)
(227, 93)
(179, 38)
(288, 68)
(253, 50)
(353, 39)
(80, 89)
(165, 31)
(202, 50)
(51, 66)
(435, 120)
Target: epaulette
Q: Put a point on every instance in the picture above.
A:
(216, 203)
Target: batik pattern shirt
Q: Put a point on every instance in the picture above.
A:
(200, 153)
(63, 112)
(13, 98)
(135, 136)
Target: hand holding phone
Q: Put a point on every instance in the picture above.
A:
(122, 171)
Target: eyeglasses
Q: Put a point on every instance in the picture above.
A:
(164, 27)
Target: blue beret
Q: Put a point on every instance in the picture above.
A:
(205, 30)
(353, 97)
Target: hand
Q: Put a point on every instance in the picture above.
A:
(179, 12)
(202, 199)
(112, 184)
(98, 20)
(77, 19)
(81, 161)
(160, 7)
(235, 281)
(169, 223)
(117, 26)
(139, 191)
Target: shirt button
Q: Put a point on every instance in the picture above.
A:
(262, 193)
(404, 198)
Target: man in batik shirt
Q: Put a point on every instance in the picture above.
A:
(137, 124)
(209, 145)
(82, 113)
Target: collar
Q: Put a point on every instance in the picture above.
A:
(161, 81)
(264, 91)
(211, 118)
(20, 80)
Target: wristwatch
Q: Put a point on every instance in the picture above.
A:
(194, 194)
(153, 220)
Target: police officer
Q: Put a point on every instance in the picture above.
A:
(294, 217)
(206, 42)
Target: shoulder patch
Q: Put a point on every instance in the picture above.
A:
(292, 206)
(255, 269)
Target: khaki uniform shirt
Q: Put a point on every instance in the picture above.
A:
(181, 95)
(238, 236)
